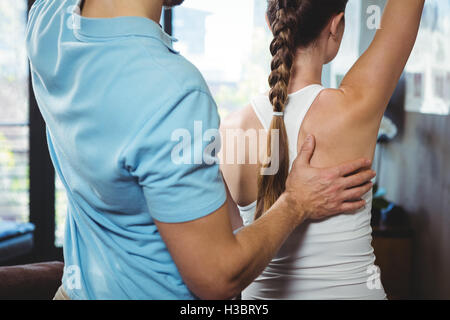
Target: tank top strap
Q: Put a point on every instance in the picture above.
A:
(298, 106)
(263, 109)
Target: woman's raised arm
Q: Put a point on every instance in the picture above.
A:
(373, 78)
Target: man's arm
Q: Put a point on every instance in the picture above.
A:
(233, 211)
(216, 264)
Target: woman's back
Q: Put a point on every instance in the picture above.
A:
(328, 259)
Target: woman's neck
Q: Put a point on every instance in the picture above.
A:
(121, 8)
(307, 69)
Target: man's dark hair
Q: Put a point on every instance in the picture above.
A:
(171, 3)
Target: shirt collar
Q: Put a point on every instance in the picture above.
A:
(104, 28)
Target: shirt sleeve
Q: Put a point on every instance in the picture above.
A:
(173, 158)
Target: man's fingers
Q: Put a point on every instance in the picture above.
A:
(307, 150)
(353, 166)
(356, 193)
(358, 179)
(352, 206)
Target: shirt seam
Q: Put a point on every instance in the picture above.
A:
(173, 78)
(199, 213)
(187, 91)
(148, 117)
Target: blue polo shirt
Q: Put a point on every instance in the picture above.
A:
(114, 94)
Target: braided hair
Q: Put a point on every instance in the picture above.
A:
(295, 24)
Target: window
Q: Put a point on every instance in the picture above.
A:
(349, 51)
(428, 70)
(14, 148)
(26, 172)
(229, 42)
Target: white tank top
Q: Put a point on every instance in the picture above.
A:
(328, 259)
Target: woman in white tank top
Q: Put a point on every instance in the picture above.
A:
(321, 260)
(332, 258)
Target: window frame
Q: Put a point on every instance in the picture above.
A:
(42, 183)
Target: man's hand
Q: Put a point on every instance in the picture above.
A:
(320, 193)
(216, 264)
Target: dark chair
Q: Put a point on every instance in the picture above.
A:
(31, 282)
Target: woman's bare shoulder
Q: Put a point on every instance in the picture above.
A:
(244, 118)
(337, 120)
(337, 106)
(241, 178)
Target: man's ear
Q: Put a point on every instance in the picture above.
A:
(336, 22)
(268, 22)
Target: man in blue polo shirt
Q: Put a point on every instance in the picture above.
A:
(112, 90)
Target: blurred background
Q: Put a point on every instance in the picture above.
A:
(228, 41)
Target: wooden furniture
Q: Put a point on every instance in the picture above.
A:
(30, 282)
(393, 251)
